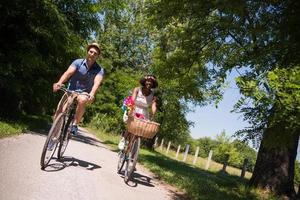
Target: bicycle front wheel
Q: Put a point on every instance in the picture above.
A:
(121, 161)
(64, 140)
(132, 159)
(52, 140)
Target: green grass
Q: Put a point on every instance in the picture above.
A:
(23, 124)
(10, 128)
(201, 162)
(194, 181)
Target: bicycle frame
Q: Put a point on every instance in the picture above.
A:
(130, 138)
(69, 109)
(129, 155)
(59, 132)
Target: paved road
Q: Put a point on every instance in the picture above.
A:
(88, 171)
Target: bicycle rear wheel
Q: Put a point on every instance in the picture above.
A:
(132, 158)
(52, 140)
(64, 139)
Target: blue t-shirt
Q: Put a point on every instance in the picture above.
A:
(83, 78)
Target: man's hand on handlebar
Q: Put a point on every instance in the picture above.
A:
(56, 86)
(91, 97)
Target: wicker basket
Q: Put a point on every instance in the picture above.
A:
(142, 128)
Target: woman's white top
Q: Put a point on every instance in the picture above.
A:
(142, 103)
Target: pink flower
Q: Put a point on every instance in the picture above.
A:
(140, 116)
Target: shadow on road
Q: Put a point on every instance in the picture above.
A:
(87, 140)
(138, 178)
(58, 165)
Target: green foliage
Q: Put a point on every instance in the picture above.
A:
(174, 126)
(225, 147)
(128, 42)
(82, 16)
(124, 35)
(206, 144)
(252, 37)
(237, 150)
(285, 85)
(297, 173)
(245, 152)
(38, 42)
(106, 113)
(275, 100)
(106, 123)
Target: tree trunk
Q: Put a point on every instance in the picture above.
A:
(275, 164)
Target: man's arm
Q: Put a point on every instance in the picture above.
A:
(97, 82)
(66, 75)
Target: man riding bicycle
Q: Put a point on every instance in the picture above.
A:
(86, 75)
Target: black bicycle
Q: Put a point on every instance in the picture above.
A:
(60, 131)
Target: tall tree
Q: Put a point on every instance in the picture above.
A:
(274, 118)
(183, 71)
(257, 37)
(262, 36)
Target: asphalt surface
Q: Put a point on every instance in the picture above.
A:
(88, 171)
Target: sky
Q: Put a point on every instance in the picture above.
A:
(210, 121)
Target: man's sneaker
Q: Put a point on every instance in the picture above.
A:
(121, 144)
(74, 130)
(51, 146)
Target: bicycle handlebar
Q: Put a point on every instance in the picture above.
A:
(79, 91)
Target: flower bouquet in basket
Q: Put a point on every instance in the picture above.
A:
(128, 107)
(128, 104)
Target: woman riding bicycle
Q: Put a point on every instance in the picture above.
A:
(142, 98)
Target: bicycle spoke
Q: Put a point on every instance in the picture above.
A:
(132, 158)
(52, 140)
(64, 140)
(121, 161)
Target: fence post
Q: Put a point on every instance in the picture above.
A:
(169, 144)
(225, 163)
(161, 144)
(208, 159)
(186, 152)
(244, 168)
(178, 150)
(155, 142)
(196, 156)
